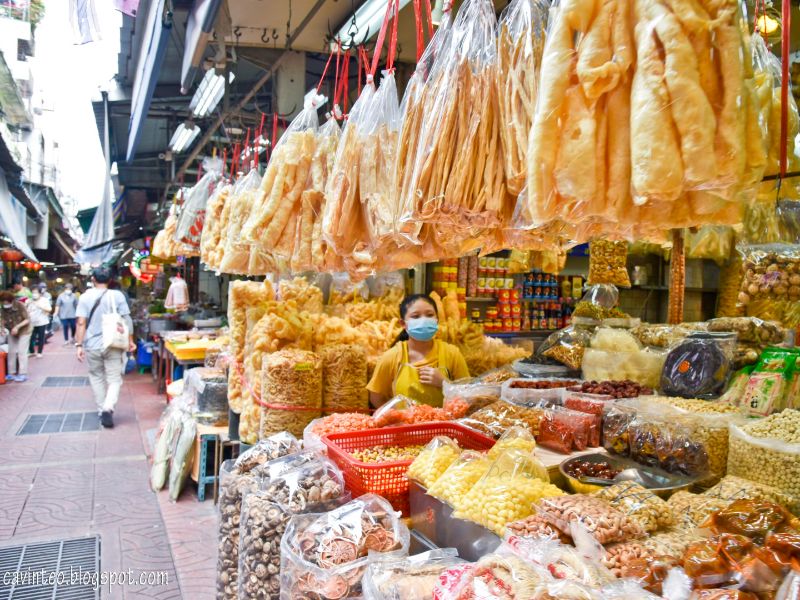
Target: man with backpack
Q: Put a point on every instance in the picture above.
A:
(99, 309)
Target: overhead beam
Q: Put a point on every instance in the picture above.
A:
(253, 91)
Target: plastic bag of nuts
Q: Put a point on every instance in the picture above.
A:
(692, 510)
(496, 418)
(317, 486)
(433, 460)
(608, 263)
(639, 504)
(768, 451)
(605, 523)
(325, 555)
(771, 285)
(732, 488)
(292, 392)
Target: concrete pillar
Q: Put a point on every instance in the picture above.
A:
(291, 84)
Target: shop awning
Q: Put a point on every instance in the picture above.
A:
(198, 31)
(154, 45)
(13, 219)
(11, 104)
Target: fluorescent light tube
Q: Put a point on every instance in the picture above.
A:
(209, 93)
(183, 137)
(369, 18)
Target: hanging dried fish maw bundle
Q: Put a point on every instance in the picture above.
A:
(236, 256)
(457, 178)
(344, 225)
(520, 42)
(287, 176)
(212, 229)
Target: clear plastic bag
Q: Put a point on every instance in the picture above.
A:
(474, 392)
(516, 437)
(328, 553)
(315, 486)
(605, 523)
(433, 460)
(771, 284)
(506, 492)
(456, 181)
(292, 392)
(626, 590)
(562, 429)
(533, 391)
(495, 419)
(520, 42)
(182, 456)
(236, 257)
(460, 476)
(169, 428)
(495, 577)
(608, 263)
(732, 488)
(272, 223)
(566, 346)
(267, 449)
(233, 486)
(563, 562)
(790, 588)
(411, 578)
(649, 511)
(753, 519)
(692, 510)
(191, 221)
(211, 237)
(209, 389)
(712, 242)
(344, 386)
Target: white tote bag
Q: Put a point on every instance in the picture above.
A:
(115, 330)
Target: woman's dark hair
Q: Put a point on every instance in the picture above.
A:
(405, 305)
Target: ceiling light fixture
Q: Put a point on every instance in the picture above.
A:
(183, 137)
(368, 20)
(209, 93)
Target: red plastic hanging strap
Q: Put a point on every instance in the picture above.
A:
(419, 23)
(392, 6)
(325, 71)
(359, 58)
(785, 47)
(260, 136)
(224, 161)
(342, 84)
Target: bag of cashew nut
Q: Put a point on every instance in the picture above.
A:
(313, 487)
(325, 555)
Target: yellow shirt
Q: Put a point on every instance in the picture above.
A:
(390, 364)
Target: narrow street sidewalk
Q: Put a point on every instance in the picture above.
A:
(95, 483)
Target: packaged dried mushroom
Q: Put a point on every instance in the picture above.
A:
(314, 487)
(292, 393)
(267, 449)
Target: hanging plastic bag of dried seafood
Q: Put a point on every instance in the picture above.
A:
(272, 223)
(236, 255)
(520, 41)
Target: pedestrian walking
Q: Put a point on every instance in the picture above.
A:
(39, 310)
(105, 364)
(66, 307)
(16, 325)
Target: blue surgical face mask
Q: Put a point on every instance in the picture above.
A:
(422, 328)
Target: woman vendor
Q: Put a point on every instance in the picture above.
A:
(416, 365)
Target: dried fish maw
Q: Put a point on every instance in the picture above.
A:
(596, 68)
(618, 151)
(705, 202)
(692, 113)
(573, 18)
(576, 163)
(656, 166)
(730, 141)
(755, 136)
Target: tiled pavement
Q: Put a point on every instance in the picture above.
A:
(96, 483)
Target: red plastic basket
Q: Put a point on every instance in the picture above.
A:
(390, 479)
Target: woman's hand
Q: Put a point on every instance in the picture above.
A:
(430, 376)
(15, 330)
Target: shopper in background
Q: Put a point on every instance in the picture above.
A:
(39, 310)
(20, 289)
(49, 297)
(17, 326)
(66, 305)
(417, 365)
(105, 365)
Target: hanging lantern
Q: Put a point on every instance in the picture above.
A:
(11, 255)
(36, 267)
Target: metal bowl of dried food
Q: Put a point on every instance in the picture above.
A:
(592, 472)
